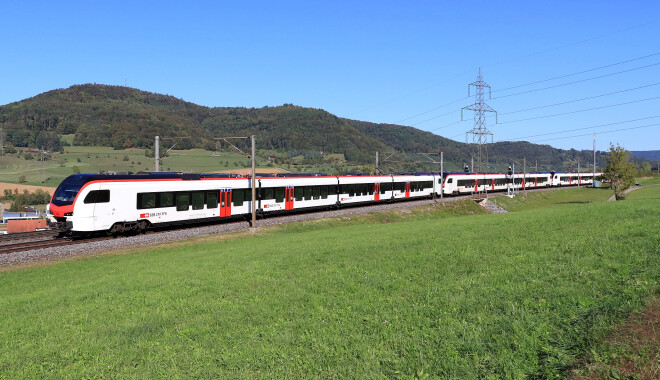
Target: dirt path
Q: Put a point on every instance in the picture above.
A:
(613, 197)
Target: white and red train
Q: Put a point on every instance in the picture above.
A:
(86, 203)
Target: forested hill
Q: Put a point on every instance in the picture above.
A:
(125, 117)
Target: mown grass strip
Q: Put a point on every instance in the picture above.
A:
(475, 296)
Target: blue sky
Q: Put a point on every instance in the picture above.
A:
(397, 62)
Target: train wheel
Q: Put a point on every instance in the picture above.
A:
(142, 226)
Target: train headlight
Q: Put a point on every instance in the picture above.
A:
(68, 214)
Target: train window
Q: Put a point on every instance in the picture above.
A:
(308, 192)
(212, 199)
(299, 193)
(165, 199)
(351, 190)
(198, 200)
(317, 192)
(98, 196)
(182, 201)
(324, 192)
(450, 180)
(238, 196)
(279, 194)
(332, 190)
(268, 193)
(146, 200)
(385, 187)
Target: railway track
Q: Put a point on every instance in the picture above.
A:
(41, 244)
(28, 236)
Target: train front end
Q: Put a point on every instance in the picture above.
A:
(60, 209)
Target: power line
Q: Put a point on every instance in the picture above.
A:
(578, 111)
(580, 129)
(515, 59)
(575, 43)
(579, 100)
(578, 81)
(431, 110)
(445, 126)
(577, 73)
(600, 133)
(546, 88)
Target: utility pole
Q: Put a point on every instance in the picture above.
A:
(525, 174)
(513, 177)
(578, 173)
(43, 174)
(254, 188)
(377, 170)
(479, 132)
(472, 165)
(593, 180)
(157, 154)
(2, 141)
(442, 175)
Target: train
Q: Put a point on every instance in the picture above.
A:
(126, 203)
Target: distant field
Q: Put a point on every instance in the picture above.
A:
(440, 291)
(95, 159)
(644, 193)
(650, 181)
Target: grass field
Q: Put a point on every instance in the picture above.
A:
(432, 292)
(569, 196)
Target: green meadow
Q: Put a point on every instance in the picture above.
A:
(443, 291)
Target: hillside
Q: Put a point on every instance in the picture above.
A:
(124, 117)
(647, 154)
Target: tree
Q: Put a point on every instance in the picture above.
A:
(620, 172)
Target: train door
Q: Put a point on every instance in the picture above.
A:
(536, 181)
(288, 198)
(492, 184)
(476, 185)
(524, 182)
(377, 192)
(103, 207)
(407, 189)
(225, 203)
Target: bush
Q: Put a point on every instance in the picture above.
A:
(21, 179)
(28, 156)
(39, 197)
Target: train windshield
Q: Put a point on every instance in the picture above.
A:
(67, 190)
